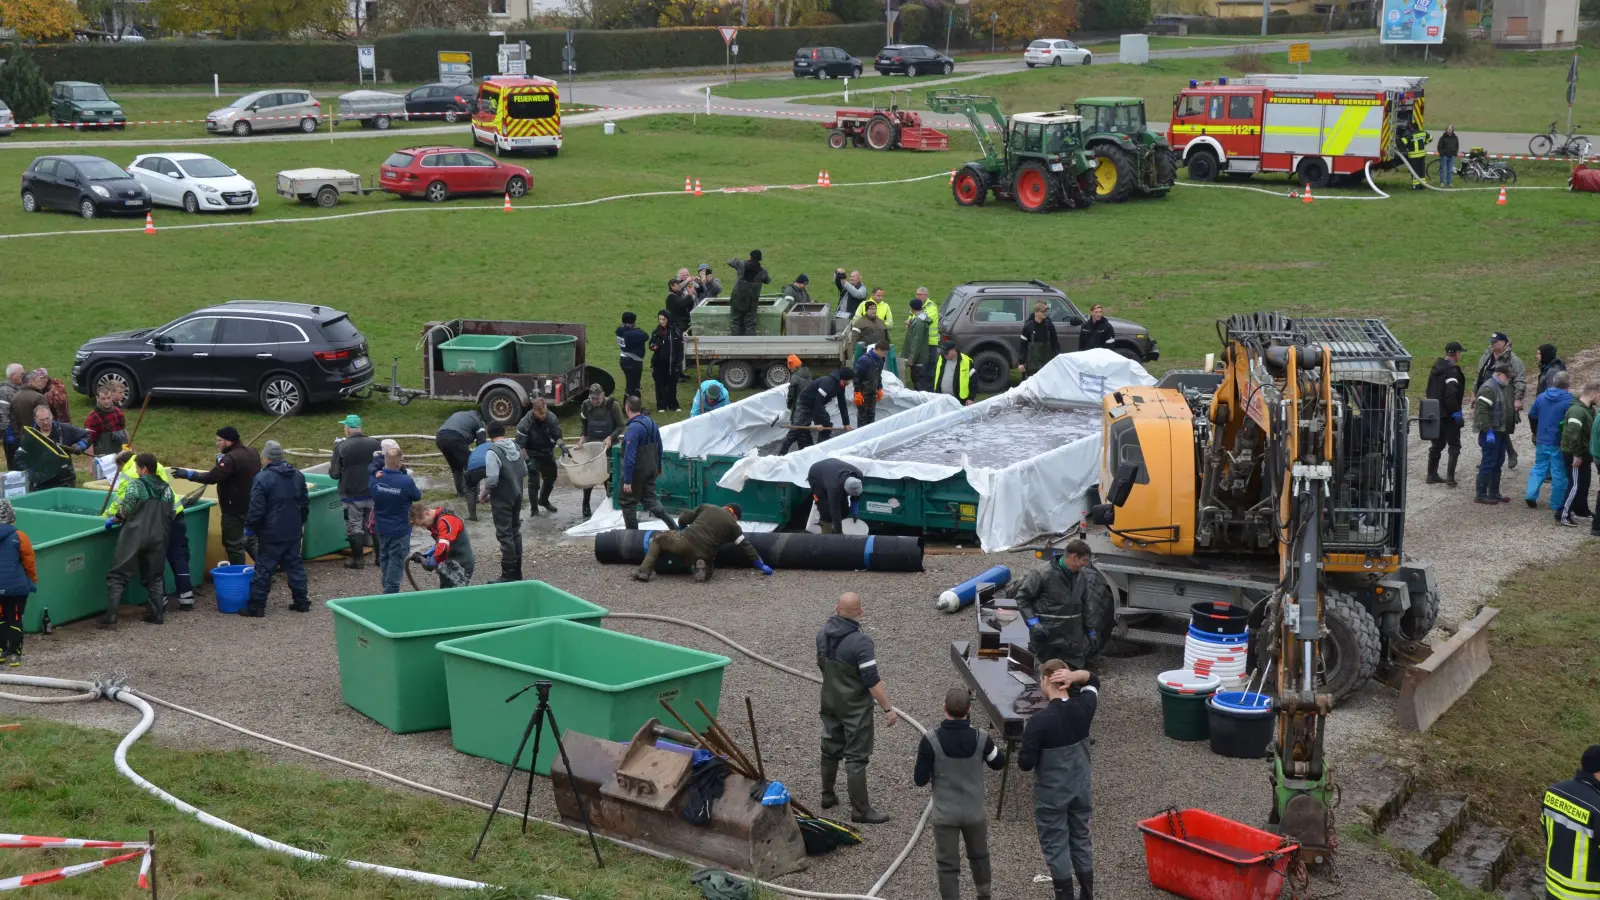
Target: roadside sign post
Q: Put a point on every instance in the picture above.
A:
(569, 61)
(1572, 91)
(847, 88)
(1299, 54)
(728, 33)
(735, 49)
(455, 67)
(366, 61)
(993, 18)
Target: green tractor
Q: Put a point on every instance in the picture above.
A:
(1128, 157)
(1039, 161)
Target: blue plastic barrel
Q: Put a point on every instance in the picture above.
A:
(232, 584)
(1241, 724)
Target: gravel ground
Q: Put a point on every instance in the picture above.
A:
(279, 675)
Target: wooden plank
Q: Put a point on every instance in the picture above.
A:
(1429, 688)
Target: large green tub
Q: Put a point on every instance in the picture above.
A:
(72, 553)
(605, 684)
(324, 532)
(388, 668)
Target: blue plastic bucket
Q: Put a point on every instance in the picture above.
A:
(1240, 723)
(1214, 638)
(233, 587)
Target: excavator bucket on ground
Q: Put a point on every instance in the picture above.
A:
(1431, 679)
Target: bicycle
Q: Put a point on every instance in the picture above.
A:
(1556, 143)
(1475, 167)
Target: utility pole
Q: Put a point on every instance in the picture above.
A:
(1266, 10)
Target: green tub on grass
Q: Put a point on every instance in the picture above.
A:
(389, 670)
(604, 683)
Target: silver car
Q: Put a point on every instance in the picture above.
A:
(8, 124)
(280, 110)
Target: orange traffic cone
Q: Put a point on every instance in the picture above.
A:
(1500, 202)
(819, 178)
(827, 180)
(508, 201)
(697, 187)
(686, 185)
(150, 223)
(1306, 197)
(952, 176)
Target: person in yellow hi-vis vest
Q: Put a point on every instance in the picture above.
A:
(1415, 145)
(1571, 814)
(177, 536)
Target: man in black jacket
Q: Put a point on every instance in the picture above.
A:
(799, 380)
(279, 508)
(1055, 747)
(953, 757)
(455, 439)
(1447, 384)
(631, 341)
(812, 410)
(745, 300)
(835, 488)
(1097, 332)
(351, 454)
(233, 474)
(1449, 147)
(539, 434)
(1039, 341)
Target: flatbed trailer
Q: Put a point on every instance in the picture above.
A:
(751, 361)
(504, 396)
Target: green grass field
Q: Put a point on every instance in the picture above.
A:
(1174, 264)
(1520, 92)
(58, 780)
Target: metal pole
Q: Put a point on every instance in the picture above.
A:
(1572, 92)
(1266, 10)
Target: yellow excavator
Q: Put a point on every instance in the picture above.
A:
(1276, 481)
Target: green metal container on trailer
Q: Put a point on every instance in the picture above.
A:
(712, 317)
(604, 684)
(73, 554)
(324, 532)
(389, 669)
(949, 505)
(545, 354)
(479, 353)
(88, 503)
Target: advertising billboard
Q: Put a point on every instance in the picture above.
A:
(1412, 22)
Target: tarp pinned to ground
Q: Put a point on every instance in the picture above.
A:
(1040, 495)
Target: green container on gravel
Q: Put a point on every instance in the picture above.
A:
(1184, 715)
(546, 354)
(389, 669)
(604, 684)
(72, 553)
(479, 353)
(324, 532)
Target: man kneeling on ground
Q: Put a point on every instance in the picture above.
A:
(701, 533)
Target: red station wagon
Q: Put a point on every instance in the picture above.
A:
(439, 173)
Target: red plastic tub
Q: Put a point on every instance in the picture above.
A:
(1203, 856)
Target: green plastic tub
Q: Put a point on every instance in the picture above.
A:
(75, 501)
(73, 554)
(324, 532)
(389, 670)
(605, 684)
(546, 354)
(479, 353)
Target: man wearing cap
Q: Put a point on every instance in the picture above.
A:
(868, 328)
(915, 351)
(799, 290)
(869, 381)
(799, 380)
(1062, 606)
(1446, 384)
(277, 518)
(952, 374)
(234, 474)
(602, 422)
(393, 492)
(702, 533)
(631, 342)
(851, 686)
(1571, 820)
(641, 463)
(1492, 416)
(682, 296)
(836, 489)
(711, 395)
(539, 434)
(455, 439)
(348, 465)
(745, 300)
(707, 285)
(811, 410)
(1500, 352)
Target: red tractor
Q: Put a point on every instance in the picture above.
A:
(884, 129)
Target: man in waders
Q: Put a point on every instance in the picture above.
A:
(1055, 748)
(602, 422)
(451, 554)
(641, 463)
(177, 535)
(1063, 602)
(348, 466)
(850, 686)
(145, 514)
(953, 757)
(702, 532)
(505, 474)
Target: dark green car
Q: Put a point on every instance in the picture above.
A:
(81, 104)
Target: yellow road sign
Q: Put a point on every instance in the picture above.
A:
(1299, 53)
(453, 56)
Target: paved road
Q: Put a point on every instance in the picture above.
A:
(630, 97)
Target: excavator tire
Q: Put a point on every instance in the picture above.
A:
(1113, 173)
(1352, 650)
(1419, 618)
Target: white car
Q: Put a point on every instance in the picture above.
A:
(1056, 52)
(8, 124)
(194, 182)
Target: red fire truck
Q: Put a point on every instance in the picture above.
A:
(1313, 126)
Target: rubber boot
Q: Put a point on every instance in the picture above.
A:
(830, 776)
(356, 560)
(1450, 474)
(1085, 884)
(544, 496)
(666, 519)
(114, 592)
(461, 483)
(587, 511)
(1063, 888)
(1494, 489)
(1511, 454)
(472, 506)
(1482, 494)
(630, 519)
(156, 613)
(1433, 466)
(861, 810)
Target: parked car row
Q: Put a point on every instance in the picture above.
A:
(895, 59)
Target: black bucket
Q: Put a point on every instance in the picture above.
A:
(1218, 618)
(1241, 724)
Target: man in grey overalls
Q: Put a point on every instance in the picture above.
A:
(1055, 748)
(850, 686)
(602, 422)
(952, 757)
(505, 475)
(1061, 603)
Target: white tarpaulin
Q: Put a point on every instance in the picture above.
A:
(1039, 495)
(752, 423)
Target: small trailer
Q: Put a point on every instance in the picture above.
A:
(373, 109)
(746, 362)
(319, 186)
(504, 396)
(894, 128)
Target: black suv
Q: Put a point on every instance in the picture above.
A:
(985, 320)
(442, 102)
(825, 62)
(913, 59)
(284, 355)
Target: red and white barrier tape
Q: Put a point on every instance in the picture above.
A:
(51, 875)
(34, 842)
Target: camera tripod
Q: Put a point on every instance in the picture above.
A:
(535, 730)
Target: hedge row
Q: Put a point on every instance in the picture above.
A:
(1278, 24)
(412, 57)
